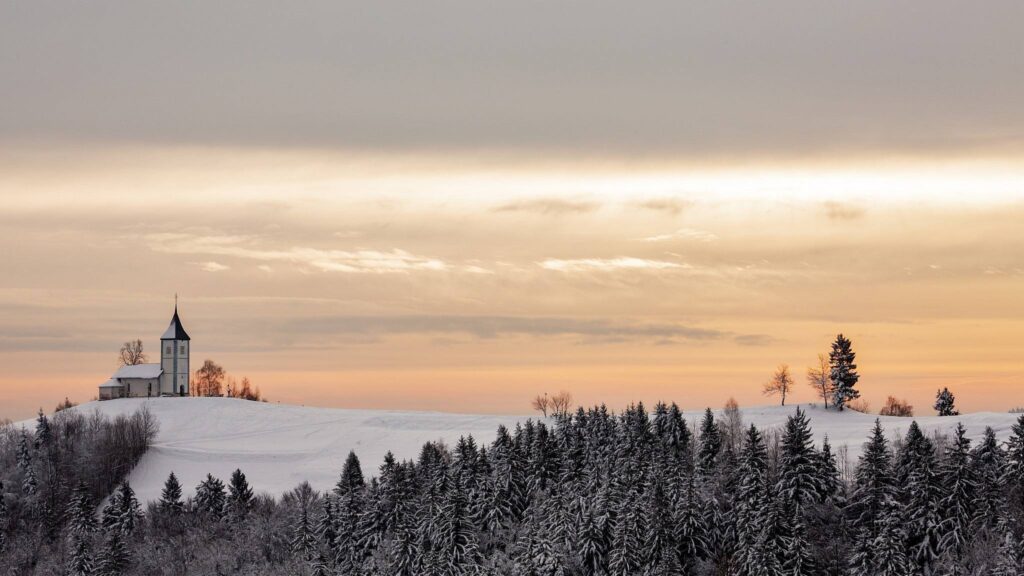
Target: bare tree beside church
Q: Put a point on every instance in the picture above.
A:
(209, 380)
(132, 353)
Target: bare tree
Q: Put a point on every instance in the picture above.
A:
(209, 379)
(732, 424)
(542, 404)
(896, 407)
(818, 378)
(561, 403)
(780, 383)
(132, 354)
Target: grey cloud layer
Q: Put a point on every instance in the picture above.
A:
(659, 77)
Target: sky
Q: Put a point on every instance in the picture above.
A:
(459, 205)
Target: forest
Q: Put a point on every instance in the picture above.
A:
(587, 493)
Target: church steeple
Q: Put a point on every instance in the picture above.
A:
(175, 331)
(174, 356)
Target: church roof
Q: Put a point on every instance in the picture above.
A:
(138, 371)
(112, 383)
(175, 330)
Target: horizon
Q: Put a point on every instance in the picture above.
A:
(471, 206)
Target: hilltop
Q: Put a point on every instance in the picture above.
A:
(280, 445)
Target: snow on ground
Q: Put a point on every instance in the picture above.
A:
(278, 445)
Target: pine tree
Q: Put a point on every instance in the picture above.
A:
(81, 514)
(210, 498)
(987, 461)
(326, 523)
(44, 433)
(129, 513)
(240, 495)
(351, 476)
(890, 558)
(919, 487)
(80, 561)
(29, 485)
(944, 401)
(959, 490)
(1013, 465)
(710, 444)
(303, 541)
(170, 496)
(828, 472)
(874, 487)
(799, 560)
(111, 516)
(1008, 558)
(799, 483)
(843, 372)
(115, 557)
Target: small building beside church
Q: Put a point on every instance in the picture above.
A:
(169, 377)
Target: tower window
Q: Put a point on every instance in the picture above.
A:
(168, 351)
(182, 349)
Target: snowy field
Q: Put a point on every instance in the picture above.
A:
(278, 445)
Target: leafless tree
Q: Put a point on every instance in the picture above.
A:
(209, 379)
(780, 383)
(542, 404)
(132, 354)
(896, 407)
(818, 378)
(732, 424)
(561, 403)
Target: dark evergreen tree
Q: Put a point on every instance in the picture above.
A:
(828, 472)
(920, 490)
(987, 462)
(800, 482)
(710, 444)
(890, 558)
(1013, 466)
(944, 403)
(303, 540)
(3, 518)
(873, 488)
(240, 495)
(170, 496)
(115, 557)
(81, 515)
(843, 372)
(959, 492)
(211, 498)
(351, 476)
(1008, 557)
(326, 524)
(129, 513)
(79, 560)
(44, 433)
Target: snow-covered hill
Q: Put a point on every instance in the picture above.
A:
(278, 446)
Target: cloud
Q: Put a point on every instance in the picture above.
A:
(549, 206)
(671, 205)
(212, 266)
(842, 211)
(357, 261)
(608, 264)
(684, 234)
(753, 339)
(495, 326)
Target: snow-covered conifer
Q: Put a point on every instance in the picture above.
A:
(873, 489)
(129, 513)
(79, 560)
(44, 432)
(710, 444)
(987, 461)
(115, 557)
(170, 496)
(303, 540)
(799, 482)
(351, 476)
(944, 403)
(211, 498)
(843, 372)
(959, 490)
(240, 495)
(81, 514)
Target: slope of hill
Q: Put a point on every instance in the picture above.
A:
(278, 445)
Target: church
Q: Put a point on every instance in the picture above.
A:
(169, 377)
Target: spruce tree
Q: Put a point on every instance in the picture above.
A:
(210, 498)
(240, 495)
(843, 372)
(303, 541)
(710, 444)
(326, 525)
(44, 432)
(944, 403)
(873, 489)
(351, 476)
(115, 556)
(79, 561)
(920, 491)
(170, 496)
(799, 482)
(3, 517)
(959, 490)
(1008, 557)
(81, 514)
(1013, 464)
(29, 484)
(987, 461)
(828, 472)
(129, 513)
(890, 558)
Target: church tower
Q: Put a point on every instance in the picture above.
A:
(174, 352)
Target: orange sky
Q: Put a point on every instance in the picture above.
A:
(442, 286)
(458, 205)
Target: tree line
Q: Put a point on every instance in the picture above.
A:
(585, 493)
